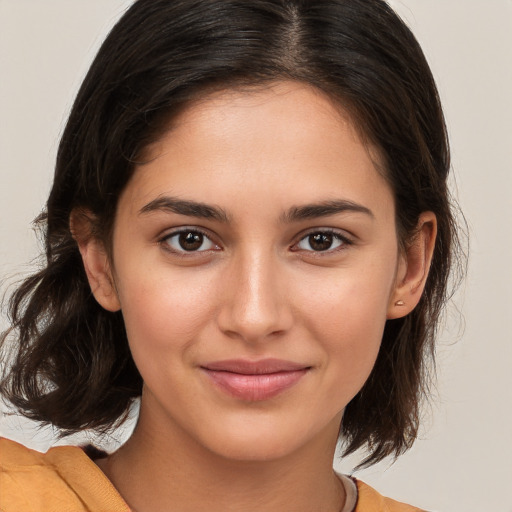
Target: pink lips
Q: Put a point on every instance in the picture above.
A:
(254, 380)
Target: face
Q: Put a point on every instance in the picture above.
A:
(255, 262)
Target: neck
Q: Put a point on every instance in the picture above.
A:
(165, 471)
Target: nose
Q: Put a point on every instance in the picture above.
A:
(255, 306)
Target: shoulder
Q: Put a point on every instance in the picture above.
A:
(369, 500)
(62, 479)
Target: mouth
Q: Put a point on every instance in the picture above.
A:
(254, 380)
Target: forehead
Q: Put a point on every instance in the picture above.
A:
(288, 138)
(263, 104)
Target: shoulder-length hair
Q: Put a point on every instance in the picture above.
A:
(72, 366)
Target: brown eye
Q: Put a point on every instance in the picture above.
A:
(189, 241)
(322, 241)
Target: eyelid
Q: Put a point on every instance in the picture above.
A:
(339, 234)
(163, 240)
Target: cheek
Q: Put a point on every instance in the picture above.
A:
(347, 316)
(351, 304)
(163, 313)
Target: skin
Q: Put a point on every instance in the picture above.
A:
(255, 289)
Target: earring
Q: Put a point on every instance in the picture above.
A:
(399, 303)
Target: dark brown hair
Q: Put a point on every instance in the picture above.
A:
(72, 364)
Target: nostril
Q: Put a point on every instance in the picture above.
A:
(254, 326)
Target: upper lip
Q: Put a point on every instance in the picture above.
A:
(261, 367)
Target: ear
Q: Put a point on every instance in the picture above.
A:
(95, 260)
(413, 268)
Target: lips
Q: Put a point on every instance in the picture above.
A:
(254, 380)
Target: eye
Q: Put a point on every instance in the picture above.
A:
(189, 240)
(322, 241)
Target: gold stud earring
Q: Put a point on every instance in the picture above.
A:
(399, 303)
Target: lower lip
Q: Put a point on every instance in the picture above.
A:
(255, 387)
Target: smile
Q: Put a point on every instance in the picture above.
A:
(254, 381)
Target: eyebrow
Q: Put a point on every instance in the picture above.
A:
(324, 209)
(294, 214)
(184, 207)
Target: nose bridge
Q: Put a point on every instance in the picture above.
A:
(256, 305)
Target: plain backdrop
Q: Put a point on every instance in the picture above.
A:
(463, 461)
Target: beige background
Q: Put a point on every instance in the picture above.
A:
(464, 460)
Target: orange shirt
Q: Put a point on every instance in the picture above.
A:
(65, 479)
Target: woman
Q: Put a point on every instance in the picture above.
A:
(255, 194)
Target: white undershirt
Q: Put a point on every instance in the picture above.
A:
(350, 492)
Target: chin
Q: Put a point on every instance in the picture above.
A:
(268, 441)
(261, 450)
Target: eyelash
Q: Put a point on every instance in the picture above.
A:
(165, 242)
(343, 241)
